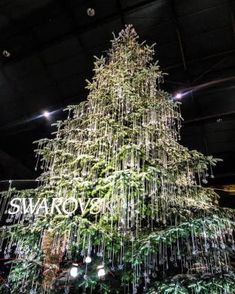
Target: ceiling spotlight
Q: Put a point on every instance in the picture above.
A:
(6, 53)
(101, 271)
(46, 114)
(74, 271)
(90, 11)
(88, 259)
(178, 96)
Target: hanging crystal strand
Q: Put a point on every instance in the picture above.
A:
(179, 121)
(104, 249)
(215, 249)
(113, 258)
(138, 274)
(119, 256)
(182, 263)
(207, 265)
(133, 266)
(210, 262)
(232, 239)
(134, 283)
(204, 180)
(82, 253)
(137, 214)
(145, 274)
(72, 238)
(166, 260)
(2, 239)
(194, 252)
(211, 171)
(206, 246)
(221, 240)
(161, 200)
(4, 200)
(45, 144)
(87, 255)
(152, 207)
(47, 162)
(199, 177)
(178, 244)
(37, 155)
(132, 209)
(219, 261)
(226, 261)
(155, 197)
(112, 205)
(160, 255)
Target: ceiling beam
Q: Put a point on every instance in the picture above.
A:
(210, 117)
(178, 33)
(75, 31)
(204, 58)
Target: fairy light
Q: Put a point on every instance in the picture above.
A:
(88, 259)
(74, 271)
(101, 271)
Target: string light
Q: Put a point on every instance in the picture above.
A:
(74, 270)
(101, 271)
(88, 259)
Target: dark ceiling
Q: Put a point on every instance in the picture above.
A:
(46, 53)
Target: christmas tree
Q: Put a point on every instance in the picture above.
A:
(131, 214)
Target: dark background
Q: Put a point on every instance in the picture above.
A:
(46, 53)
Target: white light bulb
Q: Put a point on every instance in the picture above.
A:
(6, 53)
(74, 271)
(88, 259)
(90, 11)
(46, 114)
(101, 271)
(178, 96)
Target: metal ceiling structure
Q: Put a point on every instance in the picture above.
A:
(47, 49)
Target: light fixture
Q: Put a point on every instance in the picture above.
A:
(90, 11)
(88, 259)
(178, 96)
(74, 270)
(6, 53)
(46, 114)
(101, 271)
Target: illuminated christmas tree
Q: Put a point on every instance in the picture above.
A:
(133, 216)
